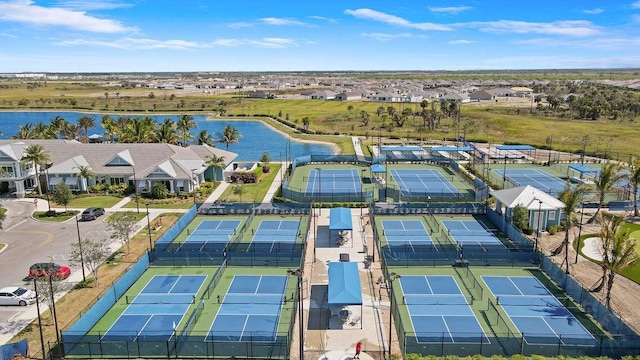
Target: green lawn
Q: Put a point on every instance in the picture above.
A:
(103, 201)
(59, 216)
(138, 216)
(160, 204)
(252, 192)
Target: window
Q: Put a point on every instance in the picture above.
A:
(116, 180)
(552, 214)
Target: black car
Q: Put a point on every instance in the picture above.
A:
(92, 213)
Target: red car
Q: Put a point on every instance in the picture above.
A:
(54, 270)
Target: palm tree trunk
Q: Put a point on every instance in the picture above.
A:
(37, 178)
(607, 300)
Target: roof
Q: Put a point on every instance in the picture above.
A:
(515, 147)
(344, 284)
(120, 158)
(529, 197)
(451, 148)
(340, 219)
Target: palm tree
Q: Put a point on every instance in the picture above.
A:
(58, 124)
(230, 135)
(25, 132)
(604, 183)
(110, 127)
(84, 173)
(85, 122)
(215, 161)
(571, 197)
(634, 181)
(71, 131)
(43, 131)
(139, 130)
(204, 138)
(618, 252)
(166, 133)
(185, 124)
(35, 154)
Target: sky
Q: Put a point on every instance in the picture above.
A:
(329, 35)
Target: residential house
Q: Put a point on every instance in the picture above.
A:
(348, 96)
(323, 95)
(142, 165)
(522, 91)
(481, 95)
(544, 210)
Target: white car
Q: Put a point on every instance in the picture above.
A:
(14, 295)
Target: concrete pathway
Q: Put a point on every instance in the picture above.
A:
(275, 185)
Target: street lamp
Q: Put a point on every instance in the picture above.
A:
(362, 192)
(539, 220)
(298, 274)
(193, 183)
(149, 227)
(319, 191)
(504, 171)
(35, 287)
(135, 190)
(84, 279)
(392, 277)
(46, 170)
(579, 231)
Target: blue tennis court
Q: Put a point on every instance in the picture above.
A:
(275, 235)
(439, 311)
(250, 310)
(155, 312)
(333, 181)
(537, 178)
(211, 235)
(539, 316)
(470, 232)
(406, 234)
(422, 182)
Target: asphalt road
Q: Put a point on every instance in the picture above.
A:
(30, 241)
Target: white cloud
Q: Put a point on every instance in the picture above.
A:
(636, 5)
(568, 28)
(134, 44)
(280, 21)
(92, 4)
(394, 20)
(239, 25)
(150, 44)
(635, 18)
(25, 11)
(454, 10)
(461, 42)
(604, 43)
(595, 11)
(323, 19)
(386, 37)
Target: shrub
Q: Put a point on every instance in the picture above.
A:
(553, 229)
(243, 178)
(159, 191)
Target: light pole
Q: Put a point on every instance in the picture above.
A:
(298, 274)
(579, 231)
(84, 279)
(504, 172)
(149, 227)
(193, 183)
(135, 190)
(392, 277)
(35, 288)
(53, 307)
(362, 192)
(539, 220)
(319, 191)
(46, 170)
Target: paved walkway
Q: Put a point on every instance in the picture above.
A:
(277, 181)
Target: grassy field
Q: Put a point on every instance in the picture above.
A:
(494, 123)
(91, 201)
(252, 192)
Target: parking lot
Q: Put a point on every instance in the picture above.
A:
(30, 241)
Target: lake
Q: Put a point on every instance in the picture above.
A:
(256, 139)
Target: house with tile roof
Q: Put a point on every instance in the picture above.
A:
(141, 165)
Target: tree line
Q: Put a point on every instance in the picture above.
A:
(125, 129)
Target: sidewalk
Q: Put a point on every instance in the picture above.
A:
(275, 185)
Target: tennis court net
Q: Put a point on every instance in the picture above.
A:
(520, 300)
(431, 299)
(225, 232)
(401, 233)
(276, 233)
(248, 299)
(160, 299)
(470, 233)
